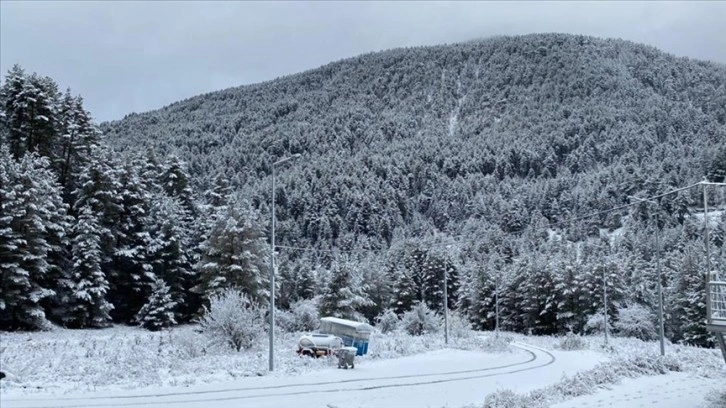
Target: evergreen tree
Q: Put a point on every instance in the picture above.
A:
(32, 216)
(158, 312)
(343, 297)
(29, 106)
(690, 287)
(130, 275)
(233, 255)
(77, 138)
(167, 246)
(86, 286)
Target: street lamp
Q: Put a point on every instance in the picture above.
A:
(660, 284)
(272, 263)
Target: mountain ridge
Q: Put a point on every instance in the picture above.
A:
(422, 129)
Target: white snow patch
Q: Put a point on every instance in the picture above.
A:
(673, 390)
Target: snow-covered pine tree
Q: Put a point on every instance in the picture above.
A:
(167, 246)
(343, 297)
(158, 312)
(540, 298)
(29, 104)
(478, 298)
(174, 181)
(234, 254)
(32, 223)
(405, 291)
(131, 283)
(77, 138)
(86, 287)
(98, 189)
(435, 268)
(690, 287)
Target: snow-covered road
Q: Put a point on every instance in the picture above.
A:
(450, 378)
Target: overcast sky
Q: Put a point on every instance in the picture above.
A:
(127, 56)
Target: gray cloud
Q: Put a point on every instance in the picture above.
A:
(136, 56)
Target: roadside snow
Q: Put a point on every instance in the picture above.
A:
(674, 390)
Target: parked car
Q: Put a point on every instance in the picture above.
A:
(317, 345)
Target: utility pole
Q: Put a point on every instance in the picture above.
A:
(446, 304)
(661, 330)
(496, 303)
(708, 253)
(272, 266)
(605, 302)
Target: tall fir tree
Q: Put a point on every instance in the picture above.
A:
(31, 218)
(86, 286)
(167, 248)
(234, 254)
(343, 297)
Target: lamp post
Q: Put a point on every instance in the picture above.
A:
(272, 264)
(446, 305)
(660, 279)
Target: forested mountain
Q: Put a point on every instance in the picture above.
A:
(479, 159)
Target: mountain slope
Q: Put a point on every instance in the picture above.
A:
(557, 123)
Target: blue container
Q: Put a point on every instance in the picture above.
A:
(354, 334)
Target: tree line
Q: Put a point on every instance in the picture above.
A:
(473, 161)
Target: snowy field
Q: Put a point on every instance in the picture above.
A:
(126, 366)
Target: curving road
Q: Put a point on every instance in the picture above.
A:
(442, 378)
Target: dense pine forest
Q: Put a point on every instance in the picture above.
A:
(506, 165)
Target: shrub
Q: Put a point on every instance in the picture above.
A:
(459, 325)
(232, 318)
(187, 344)
(716, 399)
(420, 320)
(496, 343)
(636, 321)
(506, 399)
(572, 341)
(285, 321)
(387, 321)
(306, 314)
(595, 324)
(302, 316)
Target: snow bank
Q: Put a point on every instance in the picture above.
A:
(630, 358)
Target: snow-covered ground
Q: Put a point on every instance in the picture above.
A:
(131, 367)
(673, 390)
(434, 379)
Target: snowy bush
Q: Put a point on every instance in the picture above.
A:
(716, 399)
(387, 321)
(189, 344)
(421, 320)
(285, 321)
(232, 318)
(306, 314)
(303, 316)
(496, 343)
(506, 399)
(636, 321)
(459, 325)
(572, 341)
(596, 324)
